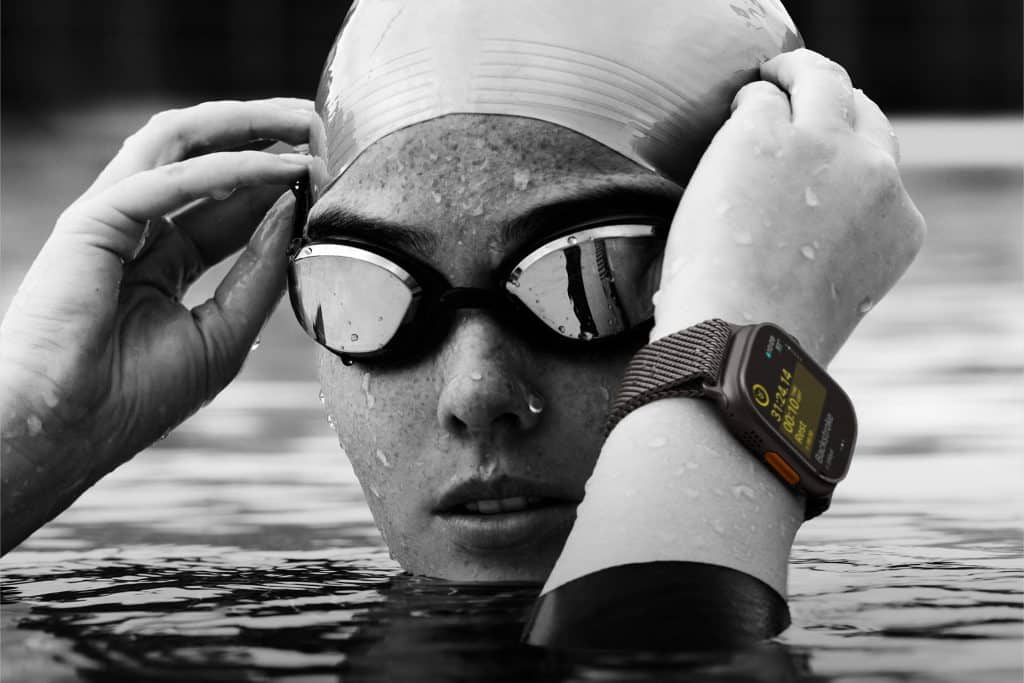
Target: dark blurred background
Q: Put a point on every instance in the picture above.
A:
(941, 56)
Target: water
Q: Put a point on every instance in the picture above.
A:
(240, 547)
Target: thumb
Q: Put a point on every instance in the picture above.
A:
(230, 320)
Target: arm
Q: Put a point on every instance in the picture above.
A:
(795, 215)
(98, 358)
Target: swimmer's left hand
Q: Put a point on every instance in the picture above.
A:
(796, 214)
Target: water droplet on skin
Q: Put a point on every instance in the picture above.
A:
(572, 239)
(743, 491)
(808, 252)
(657, 442)
(383, 458)
(561, 328)
(255, 344)
(742, 237)
(587, 335)
(331, 422)
(221, 195)
(347, 361)
(811, 197)
(35, 425)
(865, 305)
(476, 376)
(323, 400)
(370, 400)
(535, 404)
(50, 398)
(520, 179)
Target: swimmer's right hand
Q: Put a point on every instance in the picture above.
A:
(98, 357)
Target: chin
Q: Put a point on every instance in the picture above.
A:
(527, 564)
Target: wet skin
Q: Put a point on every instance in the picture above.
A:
(454, 192)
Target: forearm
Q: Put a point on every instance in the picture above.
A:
(672, 484)
(44, 468)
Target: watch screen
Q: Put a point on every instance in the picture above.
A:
(794, 398)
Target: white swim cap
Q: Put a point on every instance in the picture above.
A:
(651, 79)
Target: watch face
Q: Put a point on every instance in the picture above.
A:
(800, 402)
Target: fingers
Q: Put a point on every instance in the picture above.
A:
(218, 229)
(819, 89)
(180, 248)
(114, 219)
(761, 102)
(874, 125)
(182, 133)
(230, 321)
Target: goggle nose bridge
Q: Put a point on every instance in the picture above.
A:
(469, 297)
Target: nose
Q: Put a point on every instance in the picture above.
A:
(485, 391)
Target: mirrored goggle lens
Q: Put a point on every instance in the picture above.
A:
(592, 284)
(348, 299)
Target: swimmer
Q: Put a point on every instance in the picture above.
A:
(795, 214)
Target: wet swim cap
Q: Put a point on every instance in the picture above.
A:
(651, 79)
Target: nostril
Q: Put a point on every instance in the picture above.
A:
(509, 421)
(454, 425)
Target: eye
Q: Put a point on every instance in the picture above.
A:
(593, 283)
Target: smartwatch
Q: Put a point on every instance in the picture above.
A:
(781, 405)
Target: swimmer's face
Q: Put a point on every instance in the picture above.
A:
(454, 425)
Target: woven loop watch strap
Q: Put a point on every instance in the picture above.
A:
(677, 365)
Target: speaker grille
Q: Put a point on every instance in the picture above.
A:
(752, 441)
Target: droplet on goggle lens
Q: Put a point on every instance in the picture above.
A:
(535, 404)
(587, 335)
(572, 239)
(347, 360)
(354, 337)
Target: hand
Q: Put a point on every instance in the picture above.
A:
(98, 356)
(796, 214)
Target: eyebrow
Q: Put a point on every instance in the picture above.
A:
(581, 205)
(647, 197)
(338, 221)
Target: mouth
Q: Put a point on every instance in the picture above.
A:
(505, 513)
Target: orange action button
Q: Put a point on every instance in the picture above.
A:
(782, 467)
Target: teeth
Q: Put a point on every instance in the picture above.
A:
(494, 506)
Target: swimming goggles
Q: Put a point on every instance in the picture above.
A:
(585, 285)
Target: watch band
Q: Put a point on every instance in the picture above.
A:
(680, 365)
(676, 365)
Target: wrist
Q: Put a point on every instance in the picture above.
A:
(672, 484)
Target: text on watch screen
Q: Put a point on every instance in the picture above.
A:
(785, 391)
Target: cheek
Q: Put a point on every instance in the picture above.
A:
(382, 418)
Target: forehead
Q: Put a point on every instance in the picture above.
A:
(485, 170)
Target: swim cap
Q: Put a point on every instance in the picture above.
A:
(651, 79)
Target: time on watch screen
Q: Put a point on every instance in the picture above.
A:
(785, 391)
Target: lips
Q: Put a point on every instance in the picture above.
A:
(505, 512)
